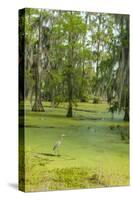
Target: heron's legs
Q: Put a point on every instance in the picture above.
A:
(56, 152)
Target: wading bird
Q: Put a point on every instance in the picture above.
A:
(57, 145)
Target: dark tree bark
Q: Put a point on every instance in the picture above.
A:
(70, 91)
(37, 104)
(70, 112)
(69, 77)
(126, 115)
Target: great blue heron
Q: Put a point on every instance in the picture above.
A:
(57, 145)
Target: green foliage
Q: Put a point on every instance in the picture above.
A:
(78, 54)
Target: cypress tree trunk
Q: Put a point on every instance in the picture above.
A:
(37, 104)
(126, 115)
(37, 68)
(69, 112)
(69, 77)
(98, 46)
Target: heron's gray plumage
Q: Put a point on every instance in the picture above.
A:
(58, 143)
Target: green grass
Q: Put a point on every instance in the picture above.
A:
(91, 155)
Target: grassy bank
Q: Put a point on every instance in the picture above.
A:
(92, 154)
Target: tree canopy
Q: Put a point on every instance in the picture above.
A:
(73, 56)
